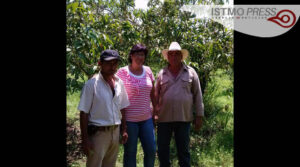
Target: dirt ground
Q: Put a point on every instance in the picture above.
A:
(74, 150)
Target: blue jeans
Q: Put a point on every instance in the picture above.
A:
(182, 139)
(145, 131)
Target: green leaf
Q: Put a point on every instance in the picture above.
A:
(70, 6)
(77, 44)
(91, 17)
(74, 6)
(84, 58)
(106, 38)
(81, 56)
(93, 36)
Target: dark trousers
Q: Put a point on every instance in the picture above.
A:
(182, 139)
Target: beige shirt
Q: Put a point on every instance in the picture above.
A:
(177, 96)
(98, 101)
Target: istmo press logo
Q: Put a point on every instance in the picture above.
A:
(255, 20)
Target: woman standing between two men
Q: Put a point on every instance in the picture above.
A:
(176, 91)
(139, 84)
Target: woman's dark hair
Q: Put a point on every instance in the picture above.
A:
(137, 48)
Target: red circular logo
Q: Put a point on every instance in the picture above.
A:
(284, 18)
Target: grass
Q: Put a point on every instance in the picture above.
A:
(72, 104)
(217, 146)
(212, 147)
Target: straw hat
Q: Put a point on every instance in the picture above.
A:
(175, 46)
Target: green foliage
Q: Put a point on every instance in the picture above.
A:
(72, 103)
(93, 26)
(214, 145)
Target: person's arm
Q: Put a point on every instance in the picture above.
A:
(154, 103)
(198, 102)
(86, 143)
(123, 104)
(123, 127)
(85, 104)
(157, 95)
(123, 121)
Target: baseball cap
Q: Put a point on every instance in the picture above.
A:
(108, 55)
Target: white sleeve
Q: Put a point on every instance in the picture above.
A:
(86, 98)
(124, 101)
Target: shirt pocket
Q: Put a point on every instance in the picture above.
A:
(164, 85)
(186, 84)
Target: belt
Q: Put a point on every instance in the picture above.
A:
(104, 128)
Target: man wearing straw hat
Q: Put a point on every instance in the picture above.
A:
(177, 92)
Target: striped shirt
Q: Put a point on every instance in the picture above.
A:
(138, 89)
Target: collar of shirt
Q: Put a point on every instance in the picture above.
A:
(116, 78)
(167, 72)
(184, 67)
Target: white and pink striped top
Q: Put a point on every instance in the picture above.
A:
(138, 89)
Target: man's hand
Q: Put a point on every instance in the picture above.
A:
(124, 137)
(198, 123)
(88, 147)
(87, 144)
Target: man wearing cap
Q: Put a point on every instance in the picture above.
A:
(101, 101)
(177, 92)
